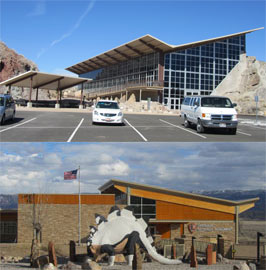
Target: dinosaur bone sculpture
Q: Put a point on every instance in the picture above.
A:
(118, 233)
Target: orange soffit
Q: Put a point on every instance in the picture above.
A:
(170, 211)
(65, 199)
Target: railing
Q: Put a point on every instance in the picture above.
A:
(123, 87)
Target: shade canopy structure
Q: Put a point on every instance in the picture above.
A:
(141, 46)
(40, 80)
(36, 79)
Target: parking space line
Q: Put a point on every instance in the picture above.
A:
(136, 131)
(183, 129)
(76, 129)
(244, 133)
(253, 126)
(18, 125)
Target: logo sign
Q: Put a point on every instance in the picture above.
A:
(192, 227)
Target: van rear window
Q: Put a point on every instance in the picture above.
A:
(219, 102)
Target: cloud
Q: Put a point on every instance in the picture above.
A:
(70, 31)
(118, 168)
(39, 167)
(39, 9)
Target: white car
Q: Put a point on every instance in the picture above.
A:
(107, 111)
(209, 112)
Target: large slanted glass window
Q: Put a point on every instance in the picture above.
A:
(143, 207)
(201, 69)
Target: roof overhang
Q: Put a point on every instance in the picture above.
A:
(243, 205)
(138, 47)
(43, 80)
(141, 46)
(206, 41)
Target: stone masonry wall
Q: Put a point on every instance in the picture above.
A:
(59, 221)
(207, 232)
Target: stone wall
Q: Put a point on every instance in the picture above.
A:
(59, 221)
(206, 232)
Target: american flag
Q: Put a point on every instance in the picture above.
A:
(70, 175)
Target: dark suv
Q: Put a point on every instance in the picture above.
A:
(7, 108)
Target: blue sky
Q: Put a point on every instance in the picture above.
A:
(39, 167)
(58, 34)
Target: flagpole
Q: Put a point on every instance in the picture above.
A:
(79, 228)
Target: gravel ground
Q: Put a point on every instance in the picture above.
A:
(145, 266)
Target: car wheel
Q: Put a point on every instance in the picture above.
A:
(186, 122)
(233, 131)
(2, 120)
(200, 128)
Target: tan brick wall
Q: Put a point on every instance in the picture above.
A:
(59, 221)
(175, 231)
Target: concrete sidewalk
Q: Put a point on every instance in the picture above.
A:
(89, 110)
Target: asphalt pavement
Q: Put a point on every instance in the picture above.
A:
(73, 126)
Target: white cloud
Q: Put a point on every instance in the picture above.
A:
(70, 31)
(53, 160)
(105, 158)
(10, 158)
(118, 168)
(39, 8)
(213, 166)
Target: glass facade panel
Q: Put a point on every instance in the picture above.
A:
(143, 207)
(199, 70)
(141, 71)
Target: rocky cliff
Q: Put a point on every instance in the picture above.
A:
(246, 80)
(13, 64)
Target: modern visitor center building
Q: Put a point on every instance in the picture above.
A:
(171, 215)
(150, 68)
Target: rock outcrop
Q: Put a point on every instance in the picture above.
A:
(13, 64)
(245, 81)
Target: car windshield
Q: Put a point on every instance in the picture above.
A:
(2, 101)
(107, 105)
(218, 102)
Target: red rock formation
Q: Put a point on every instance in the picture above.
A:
(12, 63)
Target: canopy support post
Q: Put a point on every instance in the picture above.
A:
(81, 97)
(57, 105)
(29, 104)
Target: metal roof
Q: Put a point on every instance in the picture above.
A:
(43, 80)
(138, 47)
(141, 46)
(175, 192)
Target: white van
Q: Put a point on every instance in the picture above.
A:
(209, 112)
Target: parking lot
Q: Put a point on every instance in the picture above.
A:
(59, 126)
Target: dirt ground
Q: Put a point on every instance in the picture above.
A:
(145, 266)
(248, 230)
